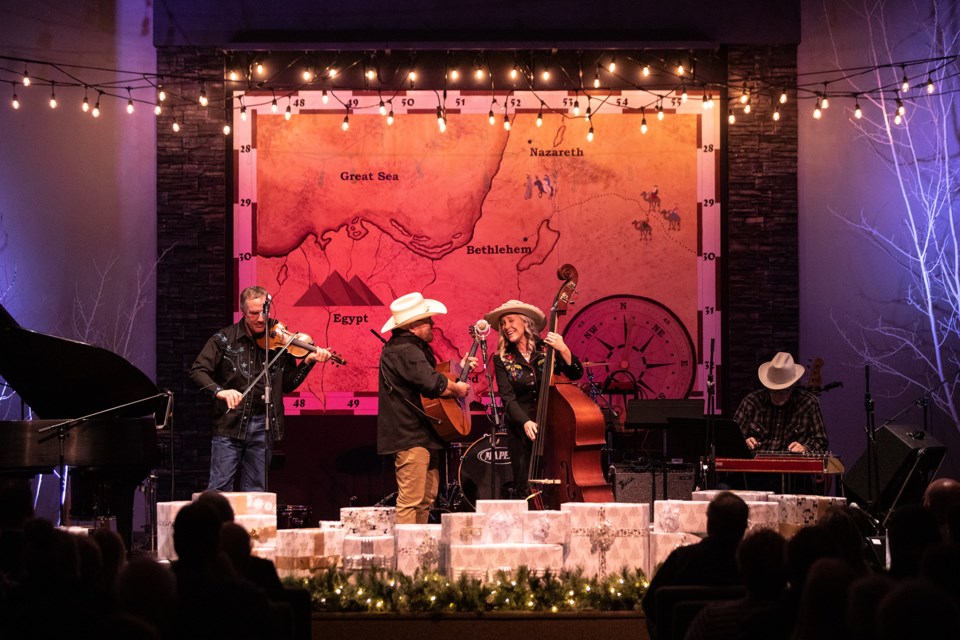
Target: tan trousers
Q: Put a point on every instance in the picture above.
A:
(418, 480)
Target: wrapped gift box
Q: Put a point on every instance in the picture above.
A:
(662, 544)
(483, 561)
(546, 527)
(302, 552)
(503, 520)
(747, 496)
(462, 528)
(249, 503)
(330, 524)
(418, 547)
(267, 553)
(763, 515)
(607, 537)
(262, 529)
(166, 514)
(798, 511)
(361, 553)
(675, 516)
(368, 521)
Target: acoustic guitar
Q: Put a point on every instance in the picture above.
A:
(449, 416)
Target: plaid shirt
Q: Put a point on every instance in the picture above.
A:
(798, 420)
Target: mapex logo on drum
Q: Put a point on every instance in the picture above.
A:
(486, 455)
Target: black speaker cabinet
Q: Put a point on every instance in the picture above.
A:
(907, 459)
(647, 486)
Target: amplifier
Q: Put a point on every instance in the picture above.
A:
(647, 486)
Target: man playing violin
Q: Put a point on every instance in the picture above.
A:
(232, 360)
(407, 372)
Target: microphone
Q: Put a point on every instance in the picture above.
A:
(266, 304)
(482, 327)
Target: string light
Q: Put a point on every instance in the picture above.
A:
(589, 111)
(576, 107)
(226, 129)
(412, 76)
(308, 74)
(53, 97)
(590, 134)
(825, 100)
(85, 105)
(540, 116)
(382, 108)
(274, 107)
(243, 112)
(203, 96)
(324, 98)
(441, 121)
(546, 73)
(744, 94)
(514, 72)
(26, 77)
(288, 112)
(506, 121)
(747, 108)
(816, 111)
(96, 107)
(646, 71)
(129, 101)
(857, 111)
(901, 110)
(492, 118)
(680, 69)
(930, 87)
(776, 113)
(15, 101)
(613, 64)
(683, 94)
(233, 75)
(157, 109)
(660, 109)
(161, 94)
(783, 97)
(731, 117)
(260, 69)
(346, 120)
(176, 127)
(332, 73)
(596, 77)
(898, 118)
(904, 82)
(390, 114)
(478, 72)
(643, 122)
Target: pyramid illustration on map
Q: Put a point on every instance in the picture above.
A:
(335, 291)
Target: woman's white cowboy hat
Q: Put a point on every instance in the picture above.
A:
(781, 372)
(515, 306)
(410, 308)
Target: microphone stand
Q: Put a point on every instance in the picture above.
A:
(873, 471)
(493, 412)
(63, 429)
(711, 479)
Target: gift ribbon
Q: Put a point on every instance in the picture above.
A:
(602, 536)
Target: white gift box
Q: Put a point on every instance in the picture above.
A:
(674, 516)
(797, 511)
(662, 544)
(607, 537)
(166, 514)
(503, 520)
(262, 528)
(302, 552)
(483, 561)
(267, 553)
(361, 553)
(763, 515)
(461, 528)
(418, 547)
(747, 496)
(368, 521)
(330, 524)
(248, 503)
(546, 527)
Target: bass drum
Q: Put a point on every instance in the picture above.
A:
(485, 473)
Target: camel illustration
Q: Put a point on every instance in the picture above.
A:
(643, 226)
(652, 198)
(672, 217)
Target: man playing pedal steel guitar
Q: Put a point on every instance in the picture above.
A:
(781, 417)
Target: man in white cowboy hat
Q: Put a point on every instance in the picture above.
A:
(407, 372)
(781, 417)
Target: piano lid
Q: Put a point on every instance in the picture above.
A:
(60, 378)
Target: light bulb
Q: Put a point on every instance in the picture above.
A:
(825, 103)
(576, 108)
(704, 101)
(274, 107)
(454, 74)
(412, 76)
(307, 75)
(390, 117)
(613, 64)
(492, 118)
(857, 111)
(744, 94)
(287, 113)
(478, 73)
(96, 110)
(85, 106)
(324, 98)
(900, 108)
(596, 79)
(130, 107)
(233, 75)
(53, 99)
(506, 122)
(546, 74)
(904, 83)
(514, 73)
(540, 117)
(226, 129)
(680, 69)
(26, 78)
(590, 135)
(260, 69)
(646, 71)
(243, 113)
(383, 108)
(176, 127)
(817, 113)
(346, 123)
(659, 112)
(161, 94)
(333, 72)
(643, 125)
(15, 102)
(203, 98)
(776, 114)
(589, 113)
(897, 119)
(747, 108)
(930, 87)
(684, 96)
(157, 109)
(783, 97)
(731, 118)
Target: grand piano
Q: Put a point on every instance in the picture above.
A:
(62, 380)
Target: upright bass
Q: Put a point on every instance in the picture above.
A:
(565, 464)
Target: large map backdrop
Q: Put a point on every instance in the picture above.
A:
(338, 222)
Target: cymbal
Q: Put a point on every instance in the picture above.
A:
(594, 364)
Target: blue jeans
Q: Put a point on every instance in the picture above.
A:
(251, 455)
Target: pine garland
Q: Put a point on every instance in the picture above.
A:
(384, 591)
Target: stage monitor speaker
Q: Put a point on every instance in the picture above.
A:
(907, 459)
(647, 486)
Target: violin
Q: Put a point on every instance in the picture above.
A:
(297, 344)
